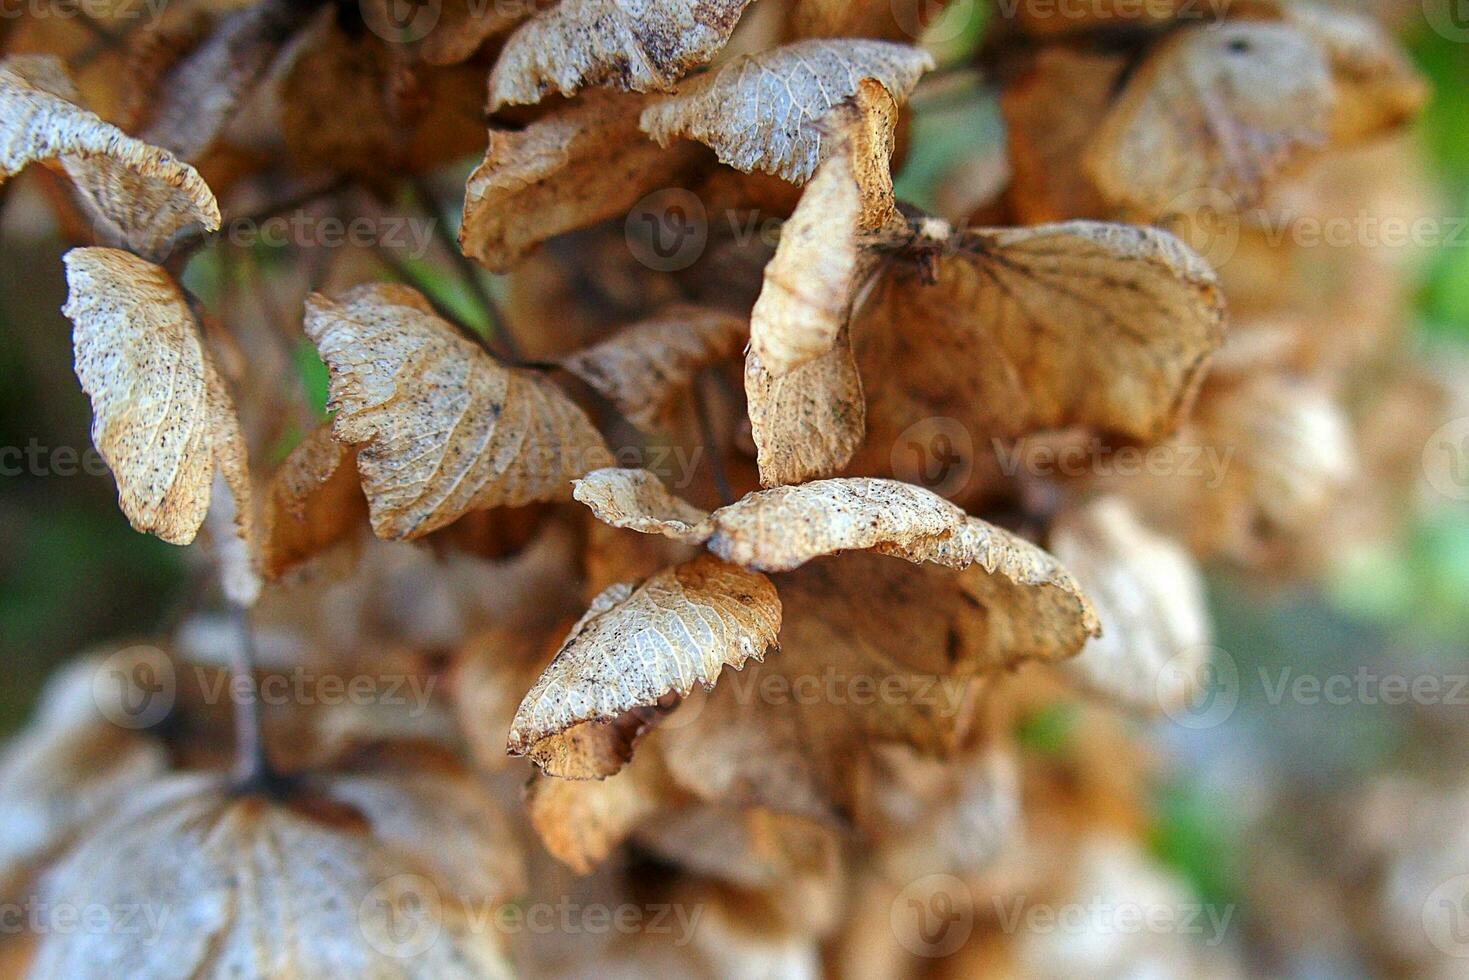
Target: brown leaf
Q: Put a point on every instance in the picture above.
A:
(581, 823)
(315, 500)
(642, 48)
(763, 111)
(634, 648)
(1215, 109)
(145, 193)
(1074, 324)
(443, 428)
(887, 20)
(808, 422)
(570, 169)
(1149, 596)
(644, 368)
(255, 884)
(161, 415)
(464, 26)
(638, 500)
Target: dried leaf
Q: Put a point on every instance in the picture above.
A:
(633, 649)
(641, 47)
(161, 415)
(1149, 597)
(809, 284)
(1222, 110)
(1377, 88)
(315, 500)
(351, 882)
(145, 192)
(464, 26)
(570, 169)
(763, 111)
(1074, 324)
(643, 368)
(581, 823)
(443, 428)
(808, 422)
(638, 500)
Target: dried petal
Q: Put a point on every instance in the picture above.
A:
(443, 428)
(632, 650)
(644, 46)
(763, 111)
(643, 368)
(161, 416)
(148, 194)
(315, 501)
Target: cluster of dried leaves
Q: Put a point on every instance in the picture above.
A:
(566, 607)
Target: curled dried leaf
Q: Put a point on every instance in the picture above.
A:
(315, 500)
(764, 111)
(808, 422)
(643, 368)
(1149, 597)
(443, 428)
(638, 500)
(1081, 323)
(640, 47)
(635, 649)
(570, 169)
(161, 415)
(145, 193)
(581, 823)
(1222, 110)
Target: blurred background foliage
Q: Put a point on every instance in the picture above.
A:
(73, 574)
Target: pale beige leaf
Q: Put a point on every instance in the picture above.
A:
(808, 422)
(644, 368)
(145, 193)
(161, 415)
(570, 169)
(1149, 596)
(636, 45)
(1214, 110)
(809, 284)
(351, 878)
(634, 649)
(763, 111)
(315, 500)
(1103, 326)
(1377, 88)
(443, 428)
(638, 500)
